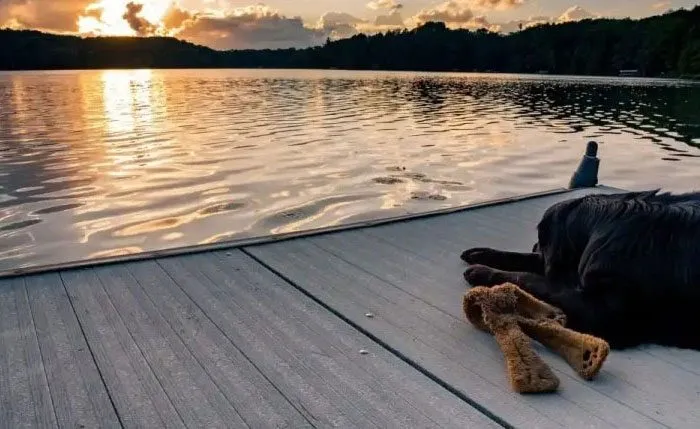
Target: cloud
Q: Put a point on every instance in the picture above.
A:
(139, 24)
(93, 12)
(455, 14)
(480, 22)
(339, 25)
(54, 15)
(511, 26)
(390, 21)
(449, 12)
(251, 27)
(331, 19)
(175, 17)
(394, 19)
(495, 4)
(575, 13)
(662, 5)
(391, 5)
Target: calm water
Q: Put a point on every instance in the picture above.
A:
(104, 163)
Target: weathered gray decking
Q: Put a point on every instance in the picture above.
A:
(270, 336)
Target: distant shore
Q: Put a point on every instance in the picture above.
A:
(465, 72)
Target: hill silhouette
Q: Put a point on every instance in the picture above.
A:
(664, 45)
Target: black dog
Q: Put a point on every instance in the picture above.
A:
(624, 267)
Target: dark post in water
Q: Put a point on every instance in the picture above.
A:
(586, 175)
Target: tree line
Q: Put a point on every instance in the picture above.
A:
(663, 45)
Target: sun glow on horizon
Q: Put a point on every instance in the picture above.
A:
(106, 17)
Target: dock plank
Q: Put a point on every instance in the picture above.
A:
(264, 344)
(25, 400)
(689, 360)
(311, 355)
(194, 394)
(135, 390)
(79, 397)
(255, 398)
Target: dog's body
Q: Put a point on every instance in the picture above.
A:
(624, 267)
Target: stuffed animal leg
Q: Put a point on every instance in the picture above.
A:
(584, 353)
(512, 315)
(546, 324)
(527, 372)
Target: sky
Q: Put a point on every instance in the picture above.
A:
(245, 24)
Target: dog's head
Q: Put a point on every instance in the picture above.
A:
(562, 234)
(566, 227)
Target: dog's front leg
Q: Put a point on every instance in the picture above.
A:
(535, 284)
(482, 275)
(506, 261)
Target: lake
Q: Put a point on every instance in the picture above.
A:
(101, 163)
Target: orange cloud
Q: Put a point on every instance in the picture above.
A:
(175, 17)
(139, 24)
(53, 15)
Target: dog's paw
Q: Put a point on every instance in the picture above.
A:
(481, 275)
(476, 255)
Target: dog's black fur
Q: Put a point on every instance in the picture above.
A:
(624, 267)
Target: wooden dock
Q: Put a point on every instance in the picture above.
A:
(356, 328)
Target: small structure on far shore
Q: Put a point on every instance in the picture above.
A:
(629, 73)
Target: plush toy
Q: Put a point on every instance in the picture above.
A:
(513, 316)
